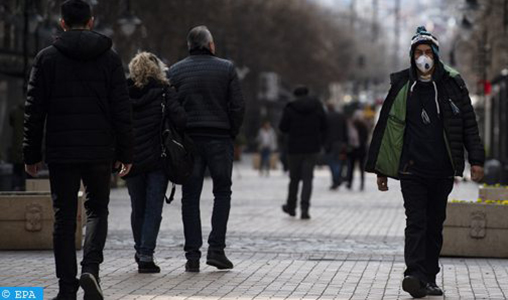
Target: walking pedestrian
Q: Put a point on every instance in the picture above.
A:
(149, 92)
(304, 122)
(358, 149)
(209, 90)
(267, 143)
(336, 144)
(77, 91)
(426, 122)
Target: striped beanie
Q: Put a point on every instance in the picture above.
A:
(422, 36)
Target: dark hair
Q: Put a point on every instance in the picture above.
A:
(76, 12)
(301, 91)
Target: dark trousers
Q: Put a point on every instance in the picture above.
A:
(354, 157)
(147, 192)
(264, 163)
(65, 183)
(217, 155)
(301, 168)
(335, 164)
(425, 203)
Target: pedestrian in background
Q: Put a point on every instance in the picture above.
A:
(426, 122)
(304, 122)
(359, 132)
(77, 92)
(336, 144)
(149, 93)
(209, 90)
(267, 143)
(16, 119)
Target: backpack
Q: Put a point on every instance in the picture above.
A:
(177, 148)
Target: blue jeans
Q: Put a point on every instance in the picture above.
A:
(264, 163)
(217, 155)
(335, 164)
(147, 199)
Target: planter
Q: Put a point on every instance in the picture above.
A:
(38, 185)
(27, 221)
(493, 193)
(476, 230)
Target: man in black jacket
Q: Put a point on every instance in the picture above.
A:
(336, 144)
(209, 90)
(77, 89)
(304, 121)
(426, 122)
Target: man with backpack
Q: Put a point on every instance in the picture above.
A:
(77, 91)
(209, 90)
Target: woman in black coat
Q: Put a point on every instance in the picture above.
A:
(149, 91)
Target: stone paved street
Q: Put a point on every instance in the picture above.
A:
(352, 248)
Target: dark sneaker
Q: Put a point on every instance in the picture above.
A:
(433, 290)
(192, 266)
(285, 209)
(148, 267)
(305, 215)
(219, 260)
(414, 287)
(91, 286)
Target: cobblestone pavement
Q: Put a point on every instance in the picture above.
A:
(352, 248)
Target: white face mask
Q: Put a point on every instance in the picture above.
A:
(424, 63)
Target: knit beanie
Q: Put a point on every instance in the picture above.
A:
(422, 36)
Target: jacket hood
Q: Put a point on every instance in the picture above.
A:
(83, 45)
(305, 105)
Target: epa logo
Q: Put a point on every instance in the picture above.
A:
(19, 294)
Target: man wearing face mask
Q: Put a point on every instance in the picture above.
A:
(426, 122)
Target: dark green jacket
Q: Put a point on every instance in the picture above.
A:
(460, 126)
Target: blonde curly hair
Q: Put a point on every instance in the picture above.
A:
(146, 65)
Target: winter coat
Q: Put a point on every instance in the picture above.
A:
(77, 88)
(337, 133)
(147, 117)
(459, 122)
(209, 90)
(304, 121)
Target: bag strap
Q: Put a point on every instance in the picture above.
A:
(172, 195)
(163, 149)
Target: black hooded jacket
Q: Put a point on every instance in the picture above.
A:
(304, 121)
(147, 117)
(77, 89)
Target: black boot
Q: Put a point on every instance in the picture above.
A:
(305, 215)
(290, 212)
(219, 260)
(65, 296)
(67, 291)
(433, 290)
(90, 284)
(414, 287)
(192, 266)
(146, 267)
